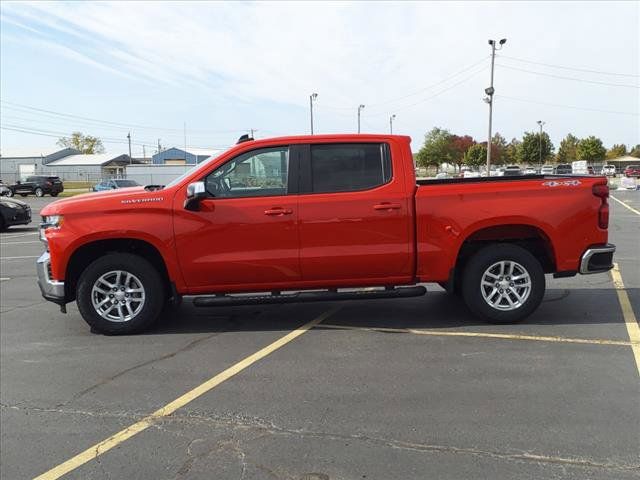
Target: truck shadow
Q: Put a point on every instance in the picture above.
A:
(435, 310)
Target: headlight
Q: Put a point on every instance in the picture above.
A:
(50, 221)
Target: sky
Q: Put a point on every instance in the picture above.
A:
(219, 69)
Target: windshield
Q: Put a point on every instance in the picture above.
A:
(126, 183)
(202, 165)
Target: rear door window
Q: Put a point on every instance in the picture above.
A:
(349, 167)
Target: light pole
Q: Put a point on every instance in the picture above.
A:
(489, 99)
(360, 107)
(541, 123)
(391, 123)
(129, 139)
(312, 97)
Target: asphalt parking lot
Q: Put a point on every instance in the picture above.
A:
(383, 389)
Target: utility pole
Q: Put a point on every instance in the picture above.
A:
(185, 144)
(541, 123)
(159, 147)
(251, 130)
(312, 97)
(144, 153)
(489, 99)
(391, 123)
(129, 138)
(360, 107)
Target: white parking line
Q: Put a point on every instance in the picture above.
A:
(625, 205)
(4, 279)
(19, 258)
(18, 235)
(18, 243)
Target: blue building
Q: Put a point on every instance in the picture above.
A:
(180, 156)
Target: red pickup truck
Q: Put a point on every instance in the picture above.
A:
(323, 217)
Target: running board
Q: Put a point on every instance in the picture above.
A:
(303, 297)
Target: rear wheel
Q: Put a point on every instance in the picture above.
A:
(10, 193)
(503, 283)
(39, 192)
(120, 293)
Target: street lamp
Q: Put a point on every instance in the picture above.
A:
(391, 123)
(360, 107)
(312, 97)
(489, 99)
(540, 123)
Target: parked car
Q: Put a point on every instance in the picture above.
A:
(38, 185)
(590, 170)
(341, 216)
(632, 171)
(629, 183)
(13, 212)
(4, 190)
(470, 174)
(512, 171)
(112, 184)
(547, 170)
(608, 170)
(529, 171)
(563, 169)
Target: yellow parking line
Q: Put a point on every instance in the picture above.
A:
(625, 205)
(116, 439)
(502, 336)
(633, 329)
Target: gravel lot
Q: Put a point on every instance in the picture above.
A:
(384, 389)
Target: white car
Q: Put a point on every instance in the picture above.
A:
(547, 170)
(470, 174)
(529, 171)
(608, 170)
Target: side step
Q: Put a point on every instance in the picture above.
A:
(302, 297)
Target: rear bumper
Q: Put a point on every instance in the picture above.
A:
(597, 259)
(52, 290)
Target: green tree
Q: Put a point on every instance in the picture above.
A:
(617, 151)
(530, 151)
(458, 146)
(498, 149)
(83, 143)
(436, 148)
(568, 149)
(476, 155)
(510, 152)
(591, 149)
(635, 151)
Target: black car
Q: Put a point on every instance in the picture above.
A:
(564, 169)
(13, 212)
(39, 185)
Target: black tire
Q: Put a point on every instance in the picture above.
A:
(10, 193)
(24, 194)
(154, 290)
(475, 270)
(54, 194)
(3, 224)
(39, 192)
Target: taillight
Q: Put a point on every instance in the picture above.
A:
(48, 183)
(601, 190)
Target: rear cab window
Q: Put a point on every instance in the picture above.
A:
(347, 167)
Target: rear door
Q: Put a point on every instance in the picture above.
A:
(354, 216)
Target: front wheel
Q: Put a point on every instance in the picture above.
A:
(10, 193)
(120, 293)
(39, 192)
(503, 283)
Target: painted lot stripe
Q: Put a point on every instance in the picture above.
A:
(633, 329)
(18, 258)
(637, 212)
(18, 243)
(500, 336)
(18, 235)
(116, 439)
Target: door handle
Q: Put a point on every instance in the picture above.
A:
(278, 211)
(387, 206)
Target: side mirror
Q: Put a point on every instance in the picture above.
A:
(195, 192)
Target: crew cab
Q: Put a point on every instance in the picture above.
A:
(322, 217)
(38, 185)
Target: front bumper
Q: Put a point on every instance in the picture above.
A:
(52, 290)
(597, 259)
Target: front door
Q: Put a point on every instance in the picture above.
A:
(354, 216)
(244, 237)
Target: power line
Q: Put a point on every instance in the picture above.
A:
(568, 78)
(568, 106)
(600, 72)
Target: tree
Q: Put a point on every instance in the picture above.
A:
(529, 150)
(476, 155)
(83, 143)
(458, 147)
(436, 148)
(568, 149)
(617, 151)
(635, 151)
(510, 152)
(591, 149)
(498, 149)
